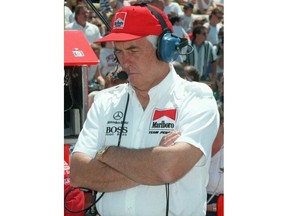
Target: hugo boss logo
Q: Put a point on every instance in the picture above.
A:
(114, 126)
(116, 130)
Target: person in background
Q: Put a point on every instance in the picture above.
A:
(172, 8)
(191, 73)
(117, 4)
(204, 6)
(72, 4)
(90, 30)
(108, 62)
(67, 16)
(214, 25)
(187, 17)
(215, 185)
(220, 51)
(147, 143)
(157, 3)
(220, 4)
(220, 65)
(179, 68)
(220, 86)
(213, 85)
(98, 22)
(179, 31)
(95, 80)
(105, 8)
(203, 56)
(197, 21)
(112, 78)
(92, 15)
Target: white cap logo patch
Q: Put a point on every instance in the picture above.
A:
(119, 22)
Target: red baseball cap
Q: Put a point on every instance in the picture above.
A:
(134, 22)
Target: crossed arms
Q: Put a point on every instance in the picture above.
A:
(123, 168)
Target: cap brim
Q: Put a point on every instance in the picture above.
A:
(118, 37)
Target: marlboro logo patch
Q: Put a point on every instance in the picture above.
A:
(170, 113)
(163, 119)
(119, 22)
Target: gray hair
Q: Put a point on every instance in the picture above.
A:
(153, 40)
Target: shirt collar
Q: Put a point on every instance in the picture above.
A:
(80, 26)
(163, 87)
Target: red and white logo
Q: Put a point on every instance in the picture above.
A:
(119, 22)
(163, 119)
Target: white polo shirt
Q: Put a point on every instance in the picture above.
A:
(175, 104)
(90, 30)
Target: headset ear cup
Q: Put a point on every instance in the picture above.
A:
(166, 47)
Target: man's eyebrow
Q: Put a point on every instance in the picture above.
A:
(128, 48)
(132, 47)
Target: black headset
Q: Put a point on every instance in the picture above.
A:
(168, 45)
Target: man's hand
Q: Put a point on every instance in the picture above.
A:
(169, 139)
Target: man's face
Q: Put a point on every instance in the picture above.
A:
(83, 15)
(202, 35)
(218, 17)
(138, 58)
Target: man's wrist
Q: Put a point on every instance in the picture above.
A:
(100, 154)
(214, 207)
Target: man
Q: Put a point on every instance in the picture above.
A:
(203, 56)
(90, 30)
(146, 144)
(214, 25)
(172, 8)
(187, 17)
(67, 15)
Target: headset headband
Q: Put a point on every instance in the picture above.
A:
(157, 15)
